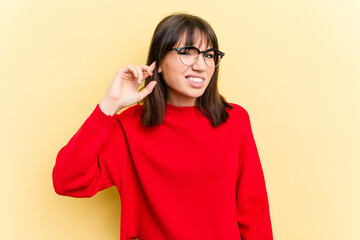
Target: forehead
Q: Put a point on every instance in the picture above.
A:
(197, 39)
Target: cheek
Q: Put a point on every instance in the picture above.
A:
(174, 70)
(171, 76)
(210, 73)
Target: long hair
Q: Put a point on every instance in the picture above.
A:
(168, 32)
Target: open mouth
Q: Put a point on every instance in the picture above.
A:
(195, 79)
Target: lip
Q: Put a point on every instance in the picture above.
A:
(195, 84)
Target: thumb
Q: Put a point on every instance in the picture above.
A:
(147, 90)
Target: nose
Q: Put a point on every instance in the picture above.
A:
(200, 64)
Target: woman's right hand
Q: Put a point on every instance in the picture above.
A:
(123, 89)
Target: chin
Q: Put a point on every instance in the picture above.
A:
(196, 94)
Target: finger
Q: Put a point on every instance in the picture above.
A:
(131, 69)
(147, 69)
(140, 74)
(145, 74)
(152, 66)
(147, 90)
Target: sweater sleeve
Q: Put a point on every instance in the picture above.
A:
(89, 162)
(251, 197)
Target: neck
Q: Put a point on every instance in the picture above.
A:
(182, 102)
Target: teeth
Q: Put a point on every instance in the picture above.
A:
(197, 80)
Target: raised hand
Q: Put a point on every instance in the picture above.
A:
(123, 91)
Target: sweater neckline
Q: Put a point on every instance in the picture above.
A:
(190, 112)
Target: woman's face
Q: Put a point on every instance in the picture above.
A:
(185, 83)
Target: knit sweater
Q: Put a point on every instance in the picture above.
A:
(182, 180)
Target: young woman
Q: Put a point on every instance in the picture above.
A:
(184, 161)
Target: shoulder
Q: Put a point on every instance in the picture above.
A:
(131, 113)
(240, 119)
(237, 111)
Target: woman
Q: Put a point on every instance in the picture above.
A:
(185, 161)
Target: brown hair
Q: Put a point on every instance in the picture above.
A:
(166, 35)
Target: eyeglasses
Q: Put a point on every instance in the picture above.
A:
(190, 54)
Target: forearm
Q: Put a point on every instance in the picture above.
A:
(77, 162)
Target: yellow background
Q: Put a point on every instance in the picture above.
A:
(293, 64)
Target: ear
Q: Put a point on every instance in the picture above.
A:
(159, 69)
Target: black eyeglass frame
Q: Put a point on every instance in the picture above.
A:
(178, 50)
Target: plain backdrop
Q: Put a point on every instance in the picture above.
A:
(294, 65)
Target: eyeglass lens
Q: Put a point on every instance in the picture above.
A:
(190, 56)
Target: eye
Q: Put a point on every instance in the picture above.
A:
(210, 54)
(187, 52)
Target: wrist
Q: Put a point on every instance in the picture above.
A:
(108, 107)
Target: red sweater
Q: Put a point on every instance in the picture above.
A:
(182, 180)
